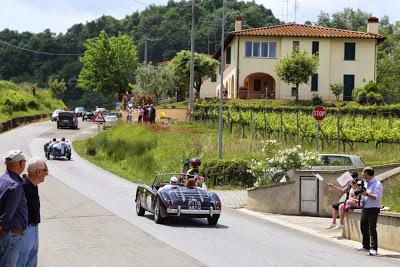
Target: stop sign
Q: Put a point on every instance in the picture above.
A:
(319, 113)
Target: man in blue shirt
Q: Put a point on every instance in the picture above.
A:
(372, 199)
(37, 171)
(13, 209)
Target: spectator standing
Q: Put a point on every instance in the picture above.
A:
(13, 209)
(372, 201)
(152, 112)
(145, 113)
(140, 115)
(37, 171)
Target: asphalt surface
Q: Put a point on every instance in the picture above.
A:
(89, 220)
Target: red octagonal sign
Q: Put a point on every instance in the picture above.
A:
(319, 113)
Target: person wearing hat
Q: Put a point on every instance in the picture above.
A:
(37, 171)
(13, 208)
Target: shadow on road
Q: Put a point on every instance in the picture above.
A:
(187, 222)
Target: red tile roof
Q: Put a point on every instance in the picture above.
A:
(300, 30)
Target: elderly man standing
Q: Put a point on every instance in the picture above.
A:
(37, 171)
(13, 209)
(372, 198)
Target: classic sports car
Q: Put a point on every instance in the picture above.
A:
(163, 200)
(57, 149)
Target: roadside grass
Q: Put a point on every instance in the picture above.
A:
(18, 100)
(177, 105)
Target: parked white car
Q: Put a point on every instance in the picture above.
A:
(110, 121)
(54, 116)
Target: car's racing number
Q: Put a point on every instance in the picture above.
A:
(194, 204)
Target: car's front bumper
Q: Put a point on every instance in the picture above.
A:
(179, 211)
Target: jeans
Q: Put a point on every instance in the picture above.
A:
(369, 217)
(28, 255)
(10, 245)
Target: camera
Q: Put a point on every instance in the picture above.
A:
(361, 188)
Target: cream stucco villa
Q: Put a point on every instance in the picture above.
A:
(346, 57)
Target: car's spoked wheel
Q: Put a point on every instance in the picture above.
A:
(157, 212)
(213, 220)
(139, 209)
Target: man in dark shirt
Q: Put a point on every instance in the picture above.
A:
(13, 209)
(37, 171)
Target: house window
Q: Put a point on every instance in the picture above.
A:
(214, 77)
(261, 49)
(249, 48)
(315, 48)
(293, 91)
(314, 82)
(257, 85)
(349, 51)
(296, 46)
(256, 49)
(228, 55)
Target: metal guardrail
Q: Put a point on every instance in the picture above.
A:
(15, 122)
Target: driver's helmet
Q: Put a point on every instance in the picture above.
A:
(63, 139)
(195, 162)
(173, 180)
(54, 140)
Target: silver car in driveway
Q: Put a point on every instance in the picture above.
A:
(110, 121)
(330, 161)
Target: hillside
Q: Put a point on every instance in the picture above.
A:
(22, 100)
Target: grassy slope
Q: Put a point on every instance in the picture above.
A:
(391, 193)
(23, 102)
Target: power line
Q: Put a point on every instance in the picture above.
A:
(140, 2)
(38, 52)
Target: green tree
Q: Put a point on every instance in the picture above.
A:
(156, 79)
(297, 68)
(336, 89)
(348, 19)
(108, 64)
(57, 88)
(203, 66)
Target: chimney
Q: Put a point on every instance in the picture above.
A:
(238, 23)
(373, 24)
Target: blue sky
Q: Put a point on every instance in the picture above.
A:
(59, 15)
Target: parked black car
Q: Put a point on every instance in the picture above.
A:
(87, 115)
(163, 200)
(67, 119)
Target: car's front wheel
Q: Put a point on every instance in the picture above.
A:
(213, 220)
(139, 209)
(157, 212)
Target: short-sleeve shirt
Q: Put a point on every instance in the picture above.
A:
(13, 206)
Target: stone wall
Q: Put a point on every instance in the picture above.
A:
(388, 228)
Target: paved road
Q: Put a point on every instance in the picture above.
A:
(90, 221)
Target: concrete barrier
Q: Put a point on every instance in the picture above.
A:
(286, 198)
(15, 122)
(388, 228)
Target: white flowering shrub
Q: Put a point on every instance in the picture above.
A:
(272, 169)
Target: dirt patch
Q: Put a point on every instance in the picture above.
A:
(157, 128)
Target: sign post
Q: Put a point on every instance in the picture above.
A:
(99, 119)
(319, 114)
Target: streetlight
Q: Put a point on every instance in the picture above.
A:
(222, 82)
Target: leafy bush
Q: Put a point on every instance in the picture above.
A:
(336, 89)
(316, 99)
(368, 95)
(91, 147)
(228, 172)
(272, 169)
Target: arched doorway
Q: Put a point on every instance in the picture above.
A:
(259, 85)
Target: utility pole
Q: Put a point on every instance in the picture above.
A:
(192, 60)
(295, 10)
(220, 123)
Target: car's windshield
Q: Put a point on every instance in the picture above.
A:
(55, 113)
(65, 115)
(79, 109)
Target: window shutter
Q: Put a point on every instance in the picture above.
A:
(314, 82)
(349, 51)
(228, 55)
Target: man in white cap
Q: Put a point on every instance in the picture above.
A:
(13, 209)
